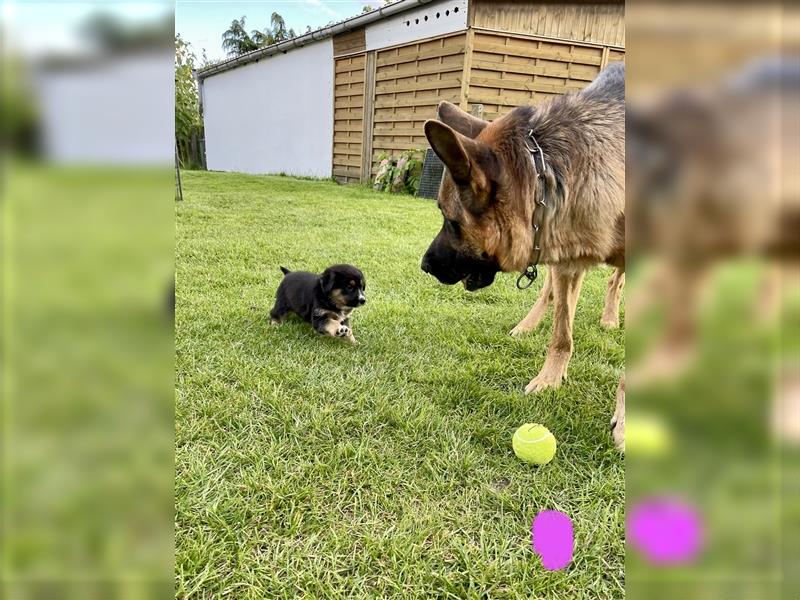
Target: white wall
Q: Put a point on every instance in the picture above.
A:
(412, 25)
(119, 111)
(272, 116)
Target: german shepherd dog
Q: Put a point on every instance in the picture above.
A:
(711, 179)
(494, 188)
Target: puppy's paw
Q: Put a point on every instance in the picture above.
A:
(274, 322)
(343, 331)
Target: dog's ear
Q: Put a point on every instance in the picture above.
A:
(463, 122)
(470, 163)
(326, 281)
(448, 146)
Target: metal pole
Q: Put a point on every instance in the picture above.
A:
(178, 173)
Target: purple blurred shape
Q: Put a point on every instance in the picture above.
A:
(552, 539)
(665, 531)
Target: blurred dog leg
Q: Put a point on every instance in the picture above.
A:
(645, 294)
(786, 409)
(767, 306)
(683, 284)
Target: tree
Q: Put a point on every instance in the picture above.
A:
(262, 38)
(367, 9)
(236, 40)
(109, 33)
(273, 34)
(279, 31)
(19, 120)
(188, 122)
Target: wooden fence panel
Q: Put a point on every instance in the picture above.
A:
(410, 81)
(509, 70)
(351, 42)
(348, 117)
(598, 22)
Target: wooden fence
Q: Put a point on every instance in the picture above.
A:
(348, 117)
(509, 70)
(382, 98)
(409, 82)
(593, 22)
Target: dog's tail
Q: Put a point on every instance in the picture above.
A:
(285, 270)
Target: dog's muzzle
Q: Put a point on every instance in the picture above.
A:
(474, 274)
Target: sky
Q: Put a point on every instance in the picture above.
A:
(46, 26)
(202, 22)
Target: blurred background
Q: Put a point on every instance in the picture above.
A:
(713, 299)
(87, 231)
(713, 386)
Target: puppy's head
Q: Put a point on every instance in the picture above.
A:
(344, 285)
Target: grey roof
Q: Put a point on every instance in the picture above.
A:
(314, 36)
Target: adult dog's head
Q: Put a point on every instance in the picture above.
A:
(484, 197)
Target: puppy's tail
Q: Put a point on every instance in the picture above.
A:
(285, 270)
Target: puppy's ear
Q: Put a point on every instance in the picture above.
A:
(326, 282)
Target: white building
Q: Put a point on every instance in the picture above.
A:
(109, 111)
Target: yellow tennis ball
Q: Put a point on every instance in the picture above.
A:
(534, 443)
(647, 435)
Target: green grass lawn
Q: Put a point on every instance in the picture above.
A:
(309, 468)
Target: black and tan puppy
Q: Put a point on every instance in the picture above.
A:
(325, 301)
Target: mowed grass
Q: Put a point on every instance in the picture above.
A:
(309, 468)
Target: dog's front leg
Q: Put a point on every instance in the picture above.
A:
(349, 336)
(616, 282)
(682, 289)
(326, 323)
(539, 310)
(618, 420)
(566, 289)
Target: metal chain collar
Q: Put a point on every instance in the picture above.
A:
(530, 274)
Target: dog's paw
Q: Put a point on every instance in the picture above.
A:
(542, 382)
(665, 363)
(529, 324)
(343, 331)
(609, 323)
(519, 330)
(274, 322)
